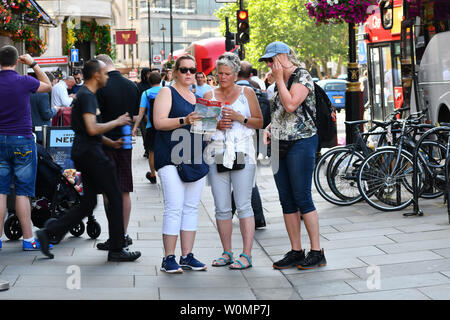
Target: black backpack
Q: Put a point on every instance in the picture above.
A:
(264, 103)
(325, 119)
(151, 102)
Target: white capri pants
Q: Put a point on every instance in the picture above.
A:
(181, 200)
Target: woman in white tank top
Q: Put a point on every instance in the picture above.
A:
(241, 115)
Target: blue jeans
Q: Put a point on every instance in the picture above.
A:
(18, 157)
(294, 177)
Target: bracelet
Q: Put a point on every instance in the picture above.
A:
(33, 64)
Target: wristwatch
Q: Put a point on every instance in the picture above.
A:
(182, 122)
(33, 64)
(245, 120)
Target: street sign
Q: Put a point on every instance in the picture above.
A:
(362, 56)
(52, 60)
(74, 55)
(157, 59)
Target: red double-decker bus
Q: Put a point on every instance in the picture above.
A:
(383, 61)
(206, 53)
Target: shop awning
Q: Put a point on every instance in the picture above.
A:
(46, 19)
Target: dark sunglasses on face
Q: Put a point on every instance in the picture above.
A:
(185, 70)
(269, 60)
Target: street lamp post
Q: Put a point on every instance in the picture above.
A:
(171, 32)
(354, 109)
(164, 42)
(150, 54)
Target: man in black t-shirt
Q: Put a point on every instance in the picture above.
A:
(98, 172)
(119, 96)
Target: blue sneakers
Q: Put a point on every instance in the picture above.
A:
(170, 265)
(0, 243)
(32, 246)
(190, 263)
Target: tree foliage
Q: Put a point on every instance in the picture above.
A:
(288, 21)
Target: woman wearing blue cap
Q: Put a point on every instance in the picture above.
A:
(295, 134)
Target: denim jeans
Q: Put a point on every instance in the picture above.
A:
(294, 177)
(18, 158)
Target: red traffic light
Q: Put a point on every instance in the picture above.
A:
(243, 14)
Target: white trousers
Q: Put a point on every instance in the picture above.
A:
(181, 201)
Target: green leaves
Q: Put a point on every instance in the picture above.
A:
(288, 21)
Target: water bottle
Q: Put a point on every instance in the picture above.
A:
(126, 131)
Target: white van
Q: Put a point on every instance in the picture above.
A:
(434, 78)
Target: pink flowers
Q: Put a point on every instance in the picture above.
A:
(336, 11)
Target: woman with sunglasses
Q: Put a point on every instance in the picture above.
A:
(173, 114)
(211, 80)
(235, 165)
(296, 135)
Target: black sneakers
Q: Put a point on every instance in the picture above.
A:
(105, 245)
(313, 260)
(291, 259)
(123, 256)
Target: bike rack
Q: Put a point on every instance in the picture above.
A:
(416, 210)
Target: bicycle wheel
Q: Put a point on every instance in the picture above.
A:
(335, 176)
(385, 185)
(432, 155)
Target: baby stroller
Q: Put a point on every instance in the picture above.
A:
(54, 196)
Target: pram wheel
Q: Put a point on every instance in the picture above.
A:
(78, 230)
(53, 238)
(94, 229)
(13, 231)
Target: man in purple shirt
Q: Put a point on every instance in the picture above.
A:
(18, 156)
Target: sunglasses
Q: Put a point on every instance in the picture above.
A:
(268, 60)
(185, 70)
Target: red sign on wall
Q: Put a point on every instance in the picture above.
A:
(126, 37)
(52, 60)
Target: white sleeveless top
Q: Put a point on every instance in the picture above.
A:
(237, 139)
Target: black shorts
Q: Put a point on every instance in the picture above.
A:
(150, 134)
(122, 161)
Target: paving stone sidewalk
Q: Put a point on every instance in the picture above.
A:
(410, 256)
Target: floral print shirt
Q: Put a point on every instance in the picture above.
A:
(294, 126)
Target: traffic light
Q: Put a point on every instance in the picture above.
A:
(230, 42)
(243, 28)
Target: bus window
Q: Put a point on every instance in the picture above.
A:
(388, 88)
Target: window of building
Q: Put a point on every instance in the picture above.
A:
(130, 10)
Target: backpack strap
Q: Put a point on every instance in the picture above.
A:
(306, 109)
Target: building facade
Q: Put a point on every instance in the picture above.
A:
(82, 24)
(193, 20)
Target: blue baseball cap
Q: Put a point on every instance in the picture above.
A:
(273, 49)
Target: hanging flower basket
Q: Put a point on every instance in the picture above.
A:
(338, 11)
(19, 31)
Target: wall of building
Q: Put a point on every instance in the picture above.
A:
(193, 20)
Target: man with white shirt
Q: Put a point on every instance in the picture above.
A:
(60, 94)
(254, 77)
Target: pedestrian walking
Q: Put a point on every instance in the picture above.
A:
(146, 109)
(297, 138)
(235, 160)
(41, 111)
(118, 97)
(78, 77)
(173, 115)
(98, 172)
(201, 87)
(18, 155)
(143, 86)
